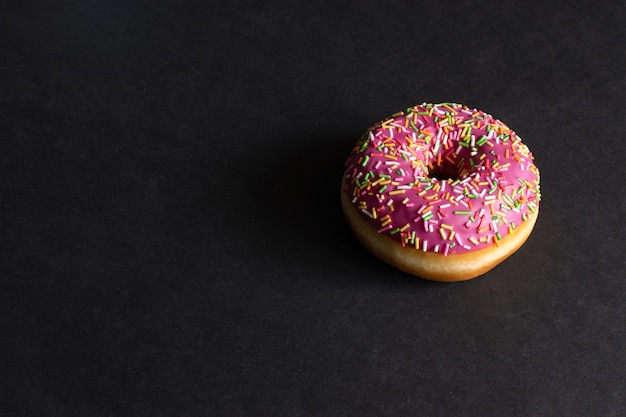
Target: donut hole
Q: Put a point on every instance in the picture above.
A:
(443, 171)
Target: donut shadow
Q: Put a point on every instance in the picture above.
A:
(301, 211)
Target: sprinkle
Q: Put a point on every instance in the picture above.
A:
(384, 228)
(395, 192)
(460, 212)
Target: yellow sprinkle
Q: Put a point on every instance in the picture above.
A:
(473, 240)
(446, 226)
(403, 228)
(443, 234)
(386, 222)
(451, 235)
(395, 192)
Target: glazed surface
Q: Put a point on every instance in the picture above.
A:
(443, 178)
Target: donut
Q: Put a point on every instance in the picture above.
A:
(441, 191)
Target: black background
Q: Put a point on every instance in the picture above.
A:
(172, 241)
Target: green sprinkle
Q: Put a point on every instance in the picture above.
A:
(494, 217)
(498, 236)
(413, 126)
(365, 160)
(382, 189)
(463, 212)
(394, 231)
(428, 216)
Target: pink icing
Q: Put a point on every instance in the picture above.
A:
(443, 178)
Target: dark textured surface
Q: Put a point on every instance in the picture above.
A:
(171, 231)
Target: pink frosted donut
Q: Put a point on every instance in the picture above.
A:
(441, 191)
